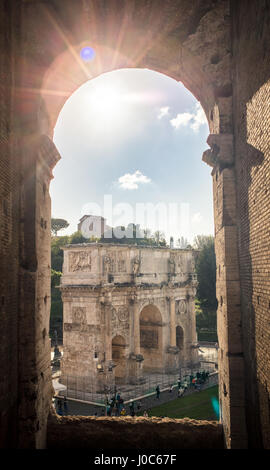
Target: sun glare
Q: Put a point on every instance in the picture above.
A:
(105, 100)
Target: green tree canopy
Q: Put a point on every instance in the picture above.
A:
(58, 224)
(206, 272)
(133, 235)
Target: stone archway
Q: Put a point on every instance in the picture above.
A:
(187, 40)
(119, 358)
(151, 341)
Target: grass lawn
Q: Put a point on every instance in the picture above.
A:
(195, 406)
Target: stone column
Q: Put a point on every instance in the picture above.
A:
(172, 349)
(172, 322)
(136, 328)
(135, 359)
(108, 335)
(229, 321)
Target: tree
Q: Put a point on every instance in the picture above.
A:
(56, 317)
(159, 238)
(182, 243)
(77, 237)
(200, 241)
(57, 253)
(58, 224)
(206, 272)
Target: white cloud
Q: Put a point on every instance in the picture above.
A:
(195, 120)
(129, 181)
(163, 112)
(181, 120)
(197, 218)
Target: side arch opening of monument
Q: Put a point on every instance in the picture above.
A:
(180, 338)
(119, 359)
(151, 339)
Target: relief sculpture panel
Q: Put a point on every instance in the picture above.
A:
(79, 261)
(120, 320)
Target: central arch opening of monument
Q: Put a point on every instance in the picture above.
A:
(151, 341)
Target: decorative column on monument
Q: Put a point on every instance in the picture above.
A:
(105, 374)
(173, 350)
(135, 357)
(172, 322)
(193, 334)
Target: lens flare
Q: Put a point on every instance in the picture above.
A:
(87, 54)
(215, 405)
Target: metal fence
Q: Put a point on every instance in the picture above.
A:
(84, 388)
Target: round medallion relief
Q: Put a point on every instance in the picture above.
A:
(123, 313)
(182, 306)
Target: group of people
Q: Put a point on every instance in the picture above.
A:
(194, 381)
(116, 407)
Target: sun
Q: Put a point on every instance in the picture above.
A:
(106, 101)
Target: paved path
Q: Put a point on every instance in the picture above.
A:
(86, 409)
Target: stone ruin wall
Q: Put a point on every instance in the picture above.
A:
(251, 76)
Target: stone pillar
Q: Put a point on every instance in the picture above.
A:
(135, 358)
(136, 327)
(39, 155)
(108, 334)
(172, 322)
(105, 378)
(231, 362)
(172, 350)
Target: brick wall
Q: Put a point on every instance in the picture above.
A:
(251, 78)
(9, 238)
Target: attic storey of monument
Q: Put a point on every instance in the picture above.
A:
(220, 51)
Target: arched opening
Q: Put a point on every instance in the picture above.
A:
(151, 341)
(179, 338)
(181, 44)
(190, 66)
(119, 358)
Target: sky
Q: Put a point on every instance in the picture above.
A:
(131, 143)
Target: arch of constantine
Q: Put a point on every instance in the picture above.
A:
(127, 311)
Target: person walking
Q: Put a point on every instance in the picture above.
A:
(65, 406)
(59, 406)
(131, 408)
(179, 383)
(158, 392)
(180, 392)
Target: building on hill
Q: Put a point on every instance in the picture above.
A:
(93, 226)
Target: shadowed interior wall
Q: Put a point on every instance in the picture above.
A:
(251, 78)
(9, 235)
